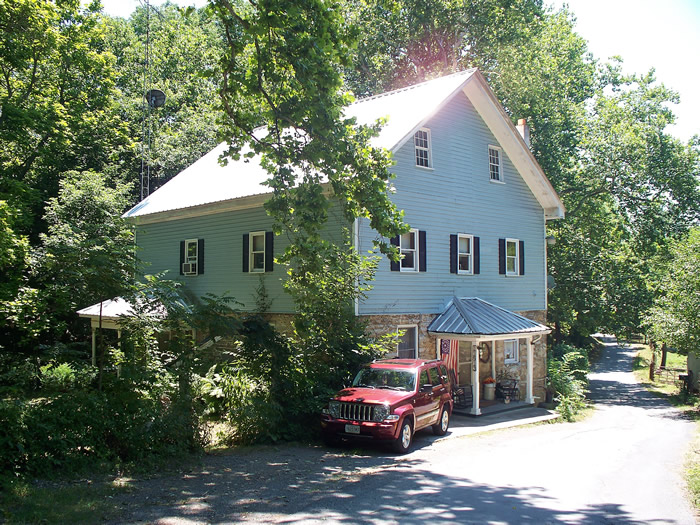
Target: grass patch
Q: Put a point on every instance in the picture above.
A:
(672, 391)
(60, 502)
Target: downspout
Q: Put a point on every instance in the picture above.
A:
(356, 246)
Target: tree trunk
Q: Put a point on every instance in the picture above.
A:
(664, 349)
(652, 364)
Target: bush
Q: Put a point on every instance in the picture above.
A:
(13, 436)
(567, 377)
(82, 429)
(65, 377)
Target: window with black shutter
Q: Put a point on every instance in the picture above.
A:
(413, 248)
(258, 252)
(464, 254)
(511, 257)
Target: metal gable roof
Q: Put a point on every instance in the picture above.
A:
(206, 182)
(474, 316)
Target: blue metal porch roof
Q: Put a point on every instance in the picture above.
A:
(474, 316)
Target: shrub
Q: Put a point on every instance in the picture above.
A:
(567, 379)
(13, 436)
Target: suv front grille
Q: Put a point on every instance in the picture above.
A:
(356, 411)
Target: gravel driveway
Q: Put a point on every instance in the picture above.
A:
(622, 465)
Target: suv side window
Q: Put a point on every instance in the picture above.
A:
(434, 376)
(423, 379)
(443, 374)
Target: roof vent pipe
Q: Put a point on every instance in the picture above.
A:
(524, 130)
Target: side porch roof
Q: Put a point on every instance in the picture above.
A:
(474, 318)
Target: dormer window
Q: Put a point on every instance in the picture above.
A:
(495, 164)
(421, 140)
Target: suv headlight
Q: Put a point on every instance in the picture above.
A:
(334, 409)
(381, 412)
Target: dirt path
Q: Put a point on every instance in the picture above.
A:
(622, 465)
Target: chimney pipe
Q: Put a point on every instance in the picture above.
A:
(524, 130)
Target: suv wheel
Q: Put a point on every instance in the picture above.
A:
(440, 428)
(403, 443)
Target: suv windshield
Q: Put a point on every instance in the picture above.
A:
(385, 378)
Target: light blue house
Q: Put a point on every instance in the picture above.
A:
(471, 286)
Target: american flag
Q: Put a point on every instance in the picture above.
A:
(449, 353)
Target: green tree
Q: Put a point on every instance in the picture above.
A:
(57, 98)
(633, 188)
(674, 316)
(87, 255)
(403, 42)
(185, 48)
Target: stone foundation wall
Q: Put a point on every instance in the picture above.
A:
(379, 325)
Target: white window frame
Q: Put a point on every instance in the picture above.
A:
(415, 251)
(515, 258)
(426, 151)
(252, 252)
(192, 259)
(470, 254)
(405, 329)
(514, 357)
(498, 165)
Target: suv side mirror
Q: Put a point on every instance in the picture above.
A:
(426, 388)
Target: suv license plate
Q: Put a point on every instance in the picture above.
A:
(352, 429)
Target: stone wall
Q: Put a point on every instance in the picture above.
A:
(379, 325)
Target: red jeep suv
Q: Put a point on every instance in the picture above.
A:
(390, 400)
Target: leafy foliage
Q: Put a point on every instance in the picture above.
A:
(567, 370)
(674, 317)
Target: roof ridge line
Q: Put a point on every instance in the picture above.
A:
(463, 312)
(413, 86)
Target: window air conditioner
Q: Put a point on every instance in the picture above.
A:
(189, 268)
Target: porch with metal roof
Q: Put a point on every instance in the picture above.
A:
(475, 321)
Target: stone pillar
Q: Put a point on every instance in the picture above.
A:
(476, 391)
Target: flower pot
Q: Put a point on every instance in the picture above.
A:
(489, 391)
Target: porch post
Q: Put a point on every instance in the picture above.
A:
(528, 394)
(493, 359)
(119, 345)
(94, 347)
(438, 341)
(476, 392)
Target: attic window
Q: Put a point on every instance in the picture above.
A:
(495, 164)
(421, 141)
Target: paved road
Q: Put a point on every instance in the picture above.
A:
(622, 465)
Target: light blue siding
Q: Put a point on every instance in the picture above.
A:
(159, 245)
(457, 196)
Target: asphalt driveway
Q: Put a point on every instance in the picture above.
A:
(622, 465)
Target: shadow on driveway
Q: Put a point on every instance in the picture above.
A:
(313, 485)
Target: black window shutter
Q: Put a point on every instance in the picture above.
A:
(502, 256)
(477, 255)
(453, 253)
(521, 253)
(182, 255)
(269, 251)
(246, 254)
(422, 252)
(395, 265)
(200, 256)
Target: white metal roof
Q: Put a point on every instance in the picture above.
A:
(207, 184)
(111, 309)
